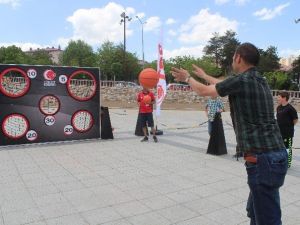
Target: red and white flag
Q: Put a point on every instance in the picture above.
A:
(161, 85)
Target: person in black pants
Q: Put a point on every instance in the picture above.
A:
(287, 117)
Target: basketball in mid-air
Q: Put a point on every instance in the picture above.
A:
(148, 78)
(147, 99)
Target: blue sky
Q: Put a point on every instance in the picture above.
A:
(184, 27)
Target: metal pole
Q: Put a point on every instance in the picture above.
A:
(123, 20)
(124, 34)
(142, 23)
(143, 45)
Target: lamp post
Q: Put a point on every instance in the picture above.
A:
(123, 20)
(142, 23)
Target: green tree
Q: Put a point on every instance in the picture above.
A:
(78, 53)
(40, 58)
(269, 60)
(105, 58)
(229, 43)
(109, 59)
(214, 48)
(13, 55)
(278, 80)
(221, 49)
(116, 69)
(296, 68)
(186, 62)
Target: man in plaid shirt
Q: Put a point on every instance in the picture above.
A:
(257, 133)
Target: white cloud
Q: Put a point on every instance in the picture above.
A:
(97, 25)
(221, 2)
(141, 15)
(267, 14)
(25, 46)
(13, 3)
(201, 27)
(241, 2)
(289, 52)
(196, 51)
(172, 33)
(170, 21)
(153, 24)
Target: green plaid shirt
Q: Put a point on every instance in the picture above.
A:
(252, 110)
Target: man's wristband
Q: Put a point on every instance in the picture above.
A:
(187, 79)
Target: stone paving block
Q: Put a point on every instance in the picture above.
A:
(225, 199)
(57, 210)
(99, 216)
(177, 213)
(10, 205)
(22, 216)
(132, 208)
(140, 194)
(198, 220)
(74, 219)
(45, 200)
(151, 218)
(183, 196)
(227, 216)
(158, 202)
(118, 222)
(43, 190)
(203, 206)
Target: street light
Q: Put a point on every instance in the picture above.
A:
(123, 20)
(142, 23)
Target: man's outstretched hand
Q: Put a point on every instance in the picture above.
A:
(179, 74)
(199, 71)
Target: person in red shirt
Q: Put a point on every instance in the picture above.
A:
(146, 100)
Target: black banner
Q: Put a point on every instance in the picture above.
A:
(48, 104)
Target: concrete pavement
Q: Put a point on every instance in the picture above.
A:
(126, 182)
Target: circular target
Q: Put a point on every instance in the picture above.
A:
(81, 85)
(49, 104)
(14, 82)
(15, 126)
(82, 121)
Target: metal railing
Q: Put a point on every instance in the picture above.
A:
(111, 83)
(293, 94)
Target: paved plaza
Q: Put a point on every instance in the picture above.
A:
(126, 182)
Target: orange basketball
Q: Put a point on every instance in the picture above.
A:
(148, 78)
(147, 99)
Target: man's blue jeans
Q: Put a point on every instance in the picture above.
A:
(264, 179)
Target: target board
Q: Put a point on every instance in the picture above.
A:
(48, 104)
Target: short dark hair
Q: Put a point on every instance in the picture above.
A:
(284, 94)
(249, 53)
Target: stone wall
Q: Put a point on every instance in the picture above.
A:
(126, 98)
